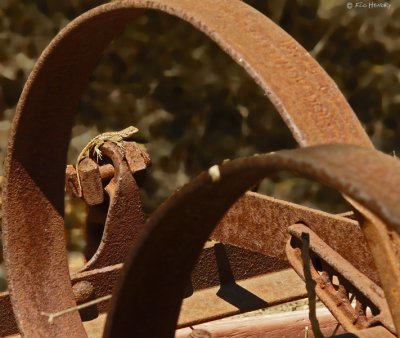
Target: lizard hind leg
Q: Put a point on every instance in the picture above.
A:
(120, 145)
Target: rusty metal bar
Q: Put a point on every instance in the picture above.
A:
(218, 266)
(255, 218)
(102, 280)
(372, 332)
(384, 243)
(288, 324)
(285, 324)
(328, 265)
(203, 305)
(241, 296)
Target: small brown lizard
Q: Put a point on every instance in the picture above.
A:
(93, 146)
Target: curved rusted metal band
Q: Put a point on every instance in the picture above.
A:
(156, 273)
(306, 97)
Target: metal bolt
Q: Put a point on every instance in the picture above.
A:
(83, 291)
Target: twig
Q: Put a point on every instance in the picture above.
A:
(74, 308)
(306, 332)
(310, 285)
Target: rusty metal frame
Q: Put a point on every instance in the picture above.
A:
(221, 267)
(270, 218)
(156, 272)
(308, 100)
(335, 294)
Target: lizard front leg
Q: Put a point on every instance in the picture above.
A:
(115, 140)
(99, 155)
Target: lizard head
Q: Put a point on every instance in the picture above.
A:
(128, 132)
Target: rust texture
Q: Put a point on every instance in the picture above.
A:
(92, 188)
(8, 324)
(222, 263)
(338, 283)
(233, 298)
(384, 243)
(200, 333)
(372, 332)
(308, 100)
(94, 176)
(278, 325)
(141, 289)
(267, 217)
(84, 292)
(203, 305)
(97, 283)
(125, 218)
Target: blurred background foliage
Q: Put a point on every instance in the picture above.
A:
(195, 106)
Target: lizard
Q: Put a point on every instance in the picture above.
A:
(94, 146)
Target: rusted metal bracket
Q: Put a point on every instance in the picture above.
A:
(95, 177)
(255, 218)
(125, 217)
(339, 285)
